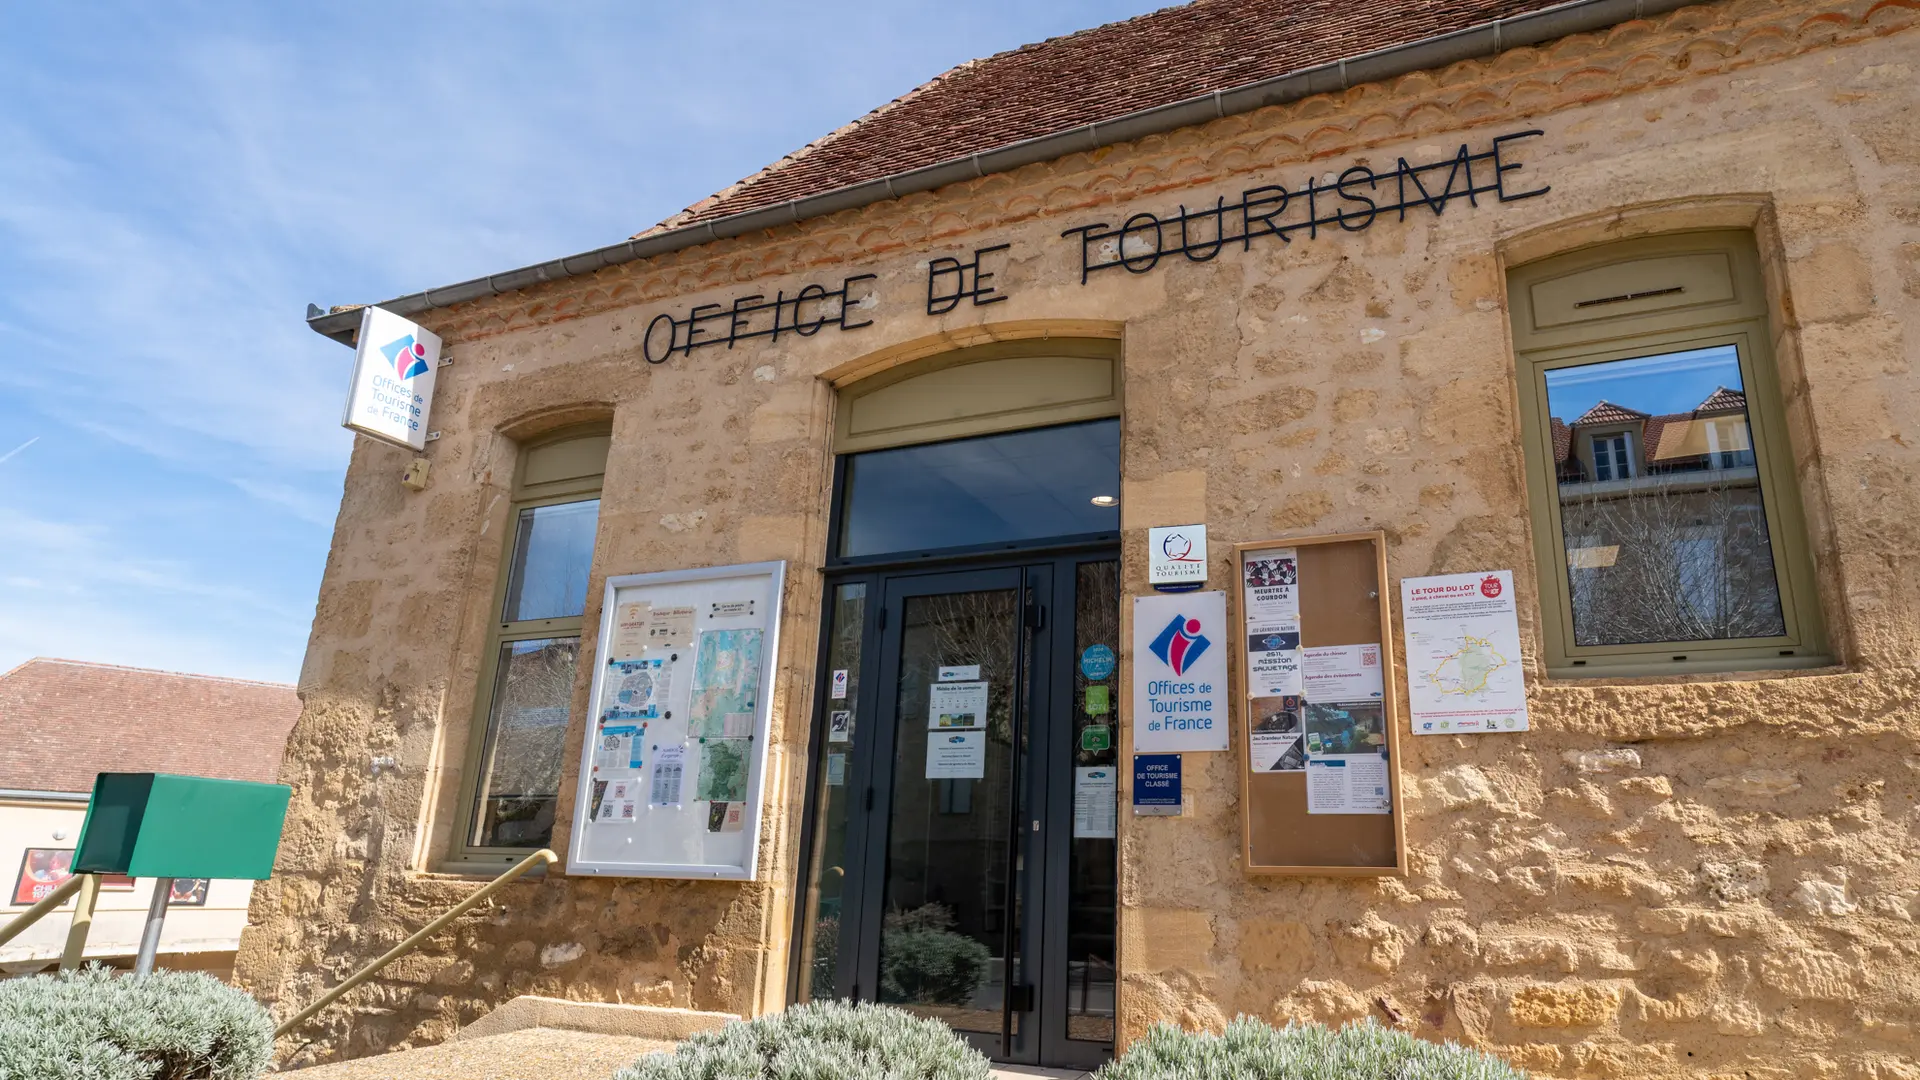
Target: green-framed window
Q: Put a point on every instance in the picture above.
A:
(1664, 502)
(517, 745)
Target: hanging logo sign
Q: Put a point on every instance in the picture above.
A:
(1177, 557)
(394, 365)
(1180, 672)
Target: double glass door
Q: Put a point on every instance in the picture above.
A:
(963, 853)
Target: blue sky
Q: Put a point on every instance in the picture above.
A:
(1674, 382)
(180, 180)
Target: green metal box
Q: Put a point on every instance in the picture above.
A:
(159, 825)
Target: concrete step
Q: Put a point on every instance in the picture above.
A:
(538, 1038)
(526, 1054)
(533, 1038)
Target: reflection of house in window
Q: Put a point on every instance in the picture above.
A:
(1611, 442)
(1666, 538)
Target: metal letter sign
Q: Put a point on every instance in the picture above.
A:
(394, 364)
(755, 316)
(1156, 784)
(1180, 672)
(1353, 202)
(950, 281)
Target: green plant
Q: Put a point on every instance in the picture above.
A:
(923, 960)
(94, 1025)
(822, 1040)
(826, 955)
(1252, 1050)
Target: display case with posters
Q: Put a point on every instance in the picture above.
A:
(1319, 707)
(674, 761)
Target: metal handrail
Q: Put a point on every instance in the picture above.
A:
(47, 903)
(543, 857)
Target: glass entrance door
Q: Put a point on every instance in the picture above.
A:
(963, 853)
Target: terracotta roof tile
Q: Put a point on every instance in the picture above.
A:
(1094, 75)
(1723, 400)
(1562, 439)
(63, 721)
(1674, 429)
(1606, 412)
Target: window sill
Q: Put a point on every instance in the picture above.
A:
(1655, 673)
(482, 870)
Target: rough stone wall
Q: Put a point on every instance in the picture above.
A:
(1668, 877)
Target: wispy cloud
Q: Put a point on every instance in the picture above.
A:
(8, 456)
(179, 183)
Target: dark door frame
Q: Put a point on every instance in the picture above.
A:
(1047, 575)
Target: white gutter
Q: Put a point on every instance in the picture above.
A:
(1486, 39)
(26, 795)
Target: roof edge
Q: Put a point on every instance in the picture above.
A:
(1485, 39)
(102, 666)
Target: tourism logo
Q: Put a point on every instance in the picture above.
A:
(1178, 547)
(1180, 644)
(1490, 586)
(408, 357)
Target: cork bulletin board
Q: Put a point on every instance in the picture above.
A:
(1319, 715)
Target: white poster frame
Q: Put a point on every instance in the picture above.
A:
(748, 865)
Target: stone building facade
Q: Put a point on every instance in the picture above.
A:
(1701, 874)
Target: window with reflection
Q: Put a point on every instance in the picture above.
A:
(532, 658)
(1662, 512)
(1666, 516)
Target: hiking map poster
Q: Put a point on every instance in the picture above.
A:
(673, 768)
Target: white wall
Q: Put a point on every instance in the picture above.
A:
(120, 914)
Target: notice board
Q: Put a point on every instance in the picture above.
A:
(1319, 712)
(674, 766)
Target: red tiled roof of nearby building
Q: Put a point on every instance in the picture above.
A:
(63, 721)
(1094, 75)
(1723, 400)
(1606, 412)
(1562, 439)
(1651, 452)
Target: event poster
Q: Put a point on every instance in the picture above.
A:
(1463, 654)
(619, 751)
(669, 768)
(1274, 663)
(1346, 750)
(1342, 673)
(670, 626)
(631, 621)
(957, 705)
(1274, 736)
(1272, 584)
